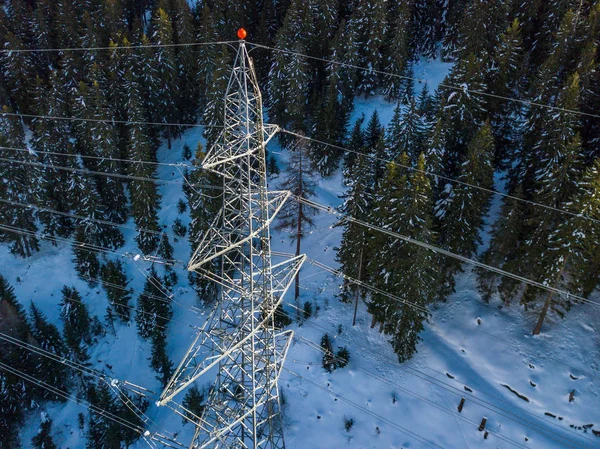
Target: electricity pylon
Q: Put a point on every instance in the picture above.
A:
(239, 338)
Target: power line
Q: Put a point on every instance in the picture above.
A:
(396, 426)
(436, 249)
(106, 121)
(123, 47)
(446, 178)
(34, 152)
(421, 81)
(108, 174)
(456, 391)
(338, 273)
(67, 396)
(82, 246)
(405, 390)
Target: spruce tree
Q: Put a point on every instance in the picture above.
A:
(369, 19)
(461, 210)
(115, 283)
(19, 184)
(406, 132)
(76, 319)
(145, 199)
(154, 308)
(194, 402)
(328, 354)
(43, 439)
(159, 360)
(294, 216)
(48, 338)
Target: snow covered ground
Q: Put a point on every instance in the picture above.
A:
(483, 353)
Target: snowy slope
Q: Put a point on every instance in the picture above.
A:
(466, 345)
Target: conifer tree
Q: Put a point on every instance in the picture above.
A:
(369, 19)
(375, 146)
(328, 354)
(115, 283)
(462, 112)
(461, 211)
(165, 71)
(295, 216)
(194, 402)
(503, 252)
(204, 207)
(18, 72)
(356, 146)
(213, 112)
(48, 338)
(16, 395)
(404, 205)
(397, 51)
(406, 132)
(76, 319)
(145, 199)
(43, 439)
(154, 308)
(17, 185)
(159, 360)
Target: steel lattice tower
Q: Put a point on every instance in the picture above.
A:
(239, 337)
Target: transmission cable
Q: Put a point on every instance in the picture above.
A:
(116, 47)
(396, 426)
(436, 249)
(446, 178)
(417, 396)
(463, 88)
(456, 391)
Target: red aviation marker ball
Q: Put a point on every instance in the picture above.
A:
(242, 33)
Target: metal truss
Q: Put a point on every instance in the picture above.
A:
(239, 339)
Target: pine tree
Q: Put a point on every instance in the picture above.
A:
(145, 199)
(397, 51)
(194, 402)
(159, 360)
(43, 439)
(507, 234)
(406, 132)
(295, 216)
(76, 319)
(17, 73)
(356, 146)
(166, 74)
(462, 112)
(461, 210)
(507, 81)
(213, 112)
(328, 355)
(17, 186)
(353, 250)
(375, 146)
(154, 308)
(115, 283)
(15, 394)
(369, 19)
(204, 207)
(48, 338)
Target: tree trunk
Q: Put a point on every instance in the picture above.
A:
(543, 313)
(357, 293)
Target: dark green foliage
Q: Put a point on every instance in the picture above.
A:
(329, 360)
(307, 310)
(194, 402)
(77, 329)
(178, 228)
(115, 283)
(104, 433)
(342, 357)
(281, 318)
(43, 439)
(348, 424)
(154, 308)
(187, 152)
(181, 206)
(48, 338)
(159, 360)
